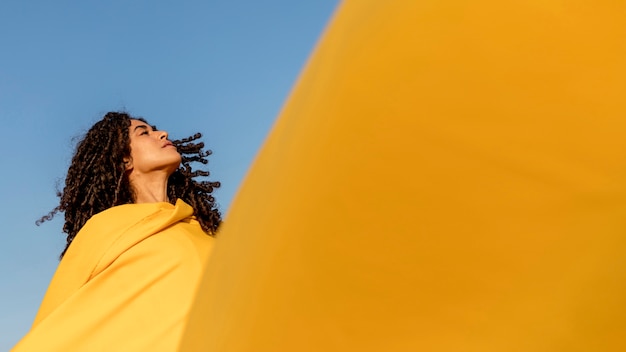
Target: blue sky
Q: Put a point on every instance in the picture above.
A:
(221, 68)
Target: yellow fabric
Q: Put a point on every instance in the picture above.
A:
(446, 176)
(125, 284)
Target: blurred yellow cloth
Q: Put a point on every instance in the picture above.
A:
(446, 176)
(125, 284)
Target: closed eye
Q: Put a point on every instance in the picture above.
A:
(143, 129)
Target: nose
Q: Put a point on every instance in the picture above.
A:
(163, 135)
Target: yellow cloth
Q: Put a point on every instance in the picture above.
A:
(446, 176)
(125, 284)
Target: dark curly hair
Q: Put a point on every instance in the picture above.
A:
(97, 179)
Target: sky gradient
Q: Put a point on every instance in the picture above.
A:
(220, 68)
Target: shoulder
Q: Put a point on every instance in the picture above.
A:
(124, 215)
(127, 224)
(109, 234)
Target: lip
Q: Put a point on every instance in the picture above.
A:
(168, 144)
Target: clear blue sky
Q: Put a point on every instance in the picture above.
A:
(223, 68)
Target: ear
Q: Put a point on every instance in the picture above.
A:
(128, 163)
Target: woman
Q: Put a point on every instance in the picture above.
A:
(139, 228)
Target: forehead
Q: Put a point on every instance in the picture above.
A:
(134, 124)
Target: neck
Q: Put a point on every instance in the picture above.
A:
(150, 190)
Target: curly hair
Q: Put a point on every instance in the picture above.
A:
(97, 179)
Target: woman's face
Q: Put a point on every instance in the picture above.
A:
(150, 150)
